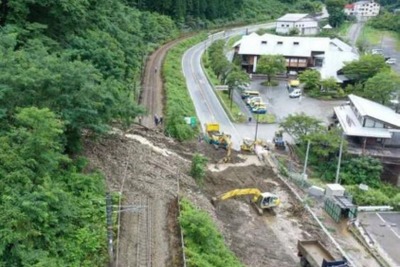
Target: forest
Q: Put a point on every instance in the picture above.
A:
(71, 69)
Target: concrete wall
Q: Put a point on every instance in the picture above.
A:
(306, 27)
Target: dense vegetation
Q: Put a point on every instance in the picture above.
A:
(178, 101)
(52, 213)
(68, 68)
(323, 160)
(387, 21)
(206, 13)
(204, 245)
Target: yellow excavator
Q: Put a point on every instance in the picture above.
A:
(227, 157)
(248, 145)
(261, 201)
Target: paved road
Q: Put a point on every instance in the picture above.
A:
(354, 32)
(208, 108)
(388, 45)
(384, 228)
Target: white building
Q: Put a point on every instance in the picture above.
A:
(321, 53)
(362, 9)
(303, 22)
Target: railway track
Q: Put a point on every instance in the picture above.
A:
(152, 94)
(144, 234)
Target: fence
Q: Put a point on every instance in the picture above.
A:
(288, 170)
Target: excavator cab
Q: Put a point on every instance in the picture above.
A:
(268, 200)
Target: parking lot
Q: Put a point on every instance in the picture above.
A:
(384, 229)
(281, 105)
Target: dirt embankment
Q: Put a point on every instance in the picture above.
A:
(147, 171)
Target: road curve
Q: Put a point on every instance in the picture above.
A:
(208, 107)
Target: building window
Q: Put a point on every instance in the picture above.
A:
(280, 42)
(319, 62)
(263, 42)
(287, 25)
(283, 25)
(296, 43)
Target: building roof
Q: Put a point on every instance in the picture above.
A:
(292, 17)
(269, 44)
(334, 52)
(375, 111)
(327, 26)
(352, 127)
(349, 6)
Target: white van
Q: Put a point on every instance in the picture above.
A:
(295, 93)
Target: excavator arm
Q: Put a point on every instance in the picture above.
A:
(241, 192)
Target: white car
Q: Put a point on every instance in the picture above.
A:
(377, 51)
(295, 93)
(391, 61)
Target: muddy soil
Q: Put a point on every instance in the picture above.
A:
(147, 170)
(267, 240)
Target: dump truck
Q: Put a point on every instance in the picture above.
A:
(313, 253)
(215, 137)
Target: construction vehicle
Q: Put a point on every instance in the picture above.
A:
(278, 140)
(313, 253)
(215, 137)
(261, 201)
(227, 157)
(248, 144)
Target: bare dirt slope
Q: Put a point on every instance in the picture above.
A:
(147, 176)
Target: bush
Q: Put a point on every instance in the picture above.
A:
(178, 101)
(204, 245)
(198, 165)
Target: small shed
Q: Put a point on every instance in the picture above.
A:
(340, 207)
(327, 27)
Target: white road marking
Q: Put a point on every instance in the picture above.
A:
(394, 232)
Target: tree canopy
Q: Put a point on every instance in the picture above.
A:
(52, 214)
(380, 87)
(311, 79)
(366, 67)
(300, 125)
(271, 65)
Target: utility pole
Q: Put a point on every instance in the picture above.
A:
(255, 137)
(305, 162)
(340, 159)
(109, 212)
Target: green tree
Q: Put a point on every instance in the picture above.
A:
(335, 10)
(270, 65)
(52, 213)
(311, 79)
(299, 126)
(366, 67)
(237, 79)
(364, 170)
(329, 84)
(325, 143)
(380, 87)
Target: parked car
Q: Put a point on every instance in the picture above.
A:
(293, 85)
(377, 51)
(259, 109)
(253, 99)
(391, 61)
(247, 93)
(295, 93)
